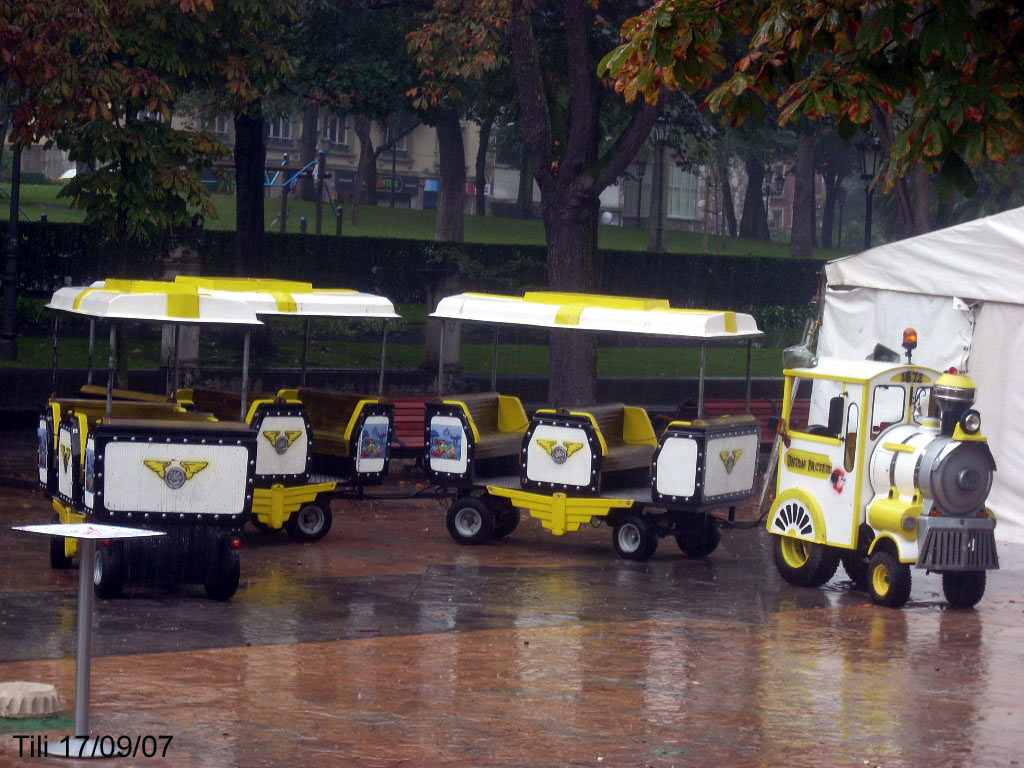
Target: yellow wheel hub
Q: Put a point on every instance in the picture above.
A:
(795, 552)
(881, 580)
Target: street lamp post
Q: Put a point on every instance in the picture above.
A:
(641, 169)
(869, 152)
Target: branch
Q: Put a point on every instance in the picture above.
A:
(627, 145)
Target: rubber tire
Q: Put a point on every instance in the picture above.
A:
(108, 573)
(888, 579)
(702, 538)
(470, 521)
(635, 538)
(803, 563)
(505, 521)
(58, 560)
(855, 563)
(262, 527)
(963, 589)
(221, 582)
(310, 522)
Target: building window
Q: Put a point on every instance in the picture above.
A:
(683, 193)
(279, 132)
(221, 125)
(337, 132)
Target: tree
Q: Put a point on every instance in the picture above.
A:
(940, 83)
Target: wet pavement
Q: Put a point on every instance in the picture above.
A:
(387, 644)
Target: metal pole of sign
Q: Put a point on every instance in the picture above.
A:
(92, 349)
(245, 376)
(700, 383)
(305, 349)
(83, 661)
(494, 362)
(56, 355)
(111, 365)
(383, 359)
(440, 361)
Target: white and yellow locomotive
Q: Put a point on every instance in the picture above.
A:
(896, 477)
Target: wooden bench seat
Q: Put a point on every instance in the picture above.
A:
(500, 423)
(226, 406)
(627, 433)
(96, 410)
(330, 414)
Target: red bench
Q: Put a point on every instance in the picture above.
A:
(410, 426)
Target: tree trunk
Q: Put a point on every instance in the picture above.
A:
(310, 121)
(571, 226)
(728, 207)
(801, 241)
(450, 198)
(828, 212)
(524, 196)
(250, 158)
(754, 223)
(656, 219)
(481, 167)
(367, 169)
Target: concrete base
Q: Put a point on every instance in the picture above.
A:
(22, 699)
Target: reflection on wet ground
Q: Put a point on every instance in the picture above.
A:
(387, 644)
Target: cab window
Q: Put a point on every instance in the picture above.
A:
(888, 407)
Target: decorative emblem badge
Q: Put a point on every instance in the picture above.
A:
(175, 476)
(65, 455)
(559, 453)
(730, 458)
(281, 441)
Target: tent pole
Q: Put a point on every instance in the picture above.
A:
(111, 366)
(750, 369)
(92, 349)
(440, 361)
(245, 375)
(383, 359)
(700, 382)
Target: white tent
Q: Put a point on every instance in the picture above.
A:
(962, 288)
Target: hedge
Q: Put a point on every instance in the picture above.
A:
(53, 254)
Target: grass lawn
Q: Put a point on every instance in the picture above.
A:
(399, 222)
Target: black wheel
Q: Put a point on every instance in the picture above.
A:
(804, 563)
(108, 572)
(888, 579)
(701, 537)
(963, 589)
(506, 522)
(855, 563)
(310, 523)
(261, 526)
(221, 581)
(635, 538)
(470, 521)
(58, 560)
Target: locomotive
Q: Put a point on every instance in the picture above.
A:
(897, 477)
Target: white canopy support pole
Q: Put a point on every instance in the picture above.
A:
(176, 382)
(305, 349)
(494, 362)
(92, 349)
(750, 369)
(111, 367)
(700, 381)
(383, 359)
(245, 376)
(440, 361)
(56, 355)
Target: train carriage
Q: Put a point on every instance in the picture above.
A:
(596, 463)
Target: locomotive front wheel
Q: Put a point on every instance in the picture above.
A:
(803, 563)
(470, 521)
(58, 560)
(701, 538)
(108, 573)
(310, 523)
(963, 589)
(635, 538)
(888, 579)
(221, 582)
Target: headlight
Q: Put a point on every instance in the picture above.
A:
(970, 422)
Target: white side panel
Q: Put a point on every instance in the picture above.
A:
(447, 450)
(372, 448)
(559, 455)
(196, 479)
(731, 464)
(677, 467)
(282, 446)
(65, 478)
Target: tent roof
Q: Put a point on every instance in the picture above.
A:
(151, 300)
(587, 312)
(980, 259)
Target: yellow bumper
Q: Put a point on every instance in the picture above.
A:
(559, 513)
(273, 506)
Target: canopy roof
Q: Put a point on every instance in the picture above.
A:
(289, 298)
(151, 300)
(980, 259)
(587, 312)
